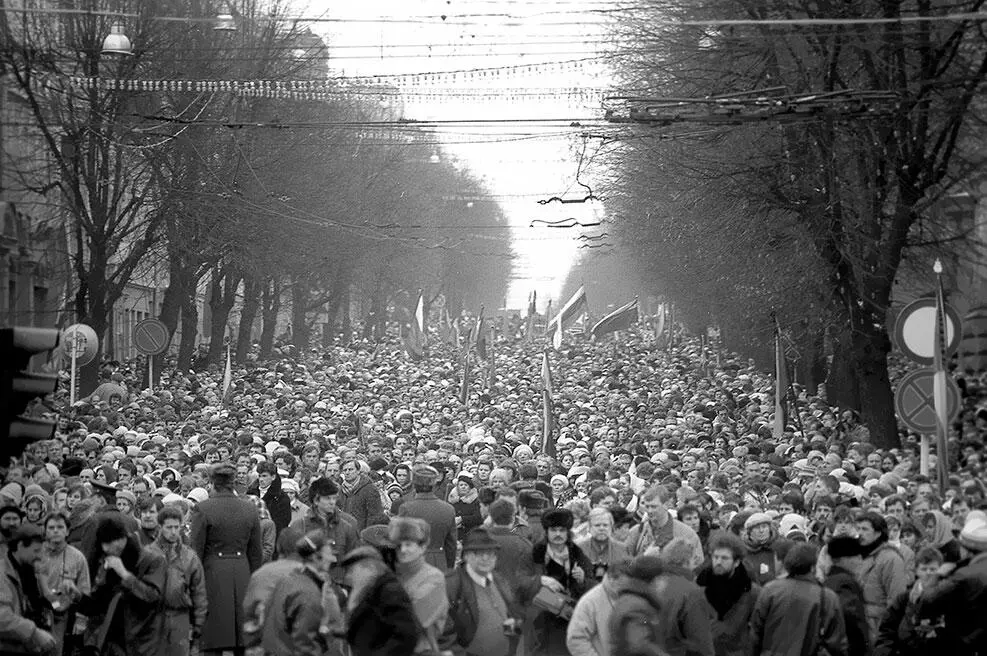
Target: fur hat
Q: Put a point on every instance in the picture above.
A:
(322, 487)
(844, 546)
(410, 529)
(755, 519)
(557, 518)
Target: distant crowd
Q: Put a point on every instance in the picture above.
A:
(347, 502)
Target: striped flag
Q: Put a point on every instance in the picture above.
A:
(571, 311)
(620, 319)
(548, 412)
(940, 340)
(479, 336)
(781, 388)
(414, 340)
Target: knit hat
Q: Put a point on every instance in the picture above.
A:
(199, 494)
(756, 519)
(129, 496)
(974, 533)
(561, 479)
(792, 523)
(11, 493)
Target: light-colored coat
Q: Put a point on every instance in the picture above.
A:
(589, 629)
(882, 577)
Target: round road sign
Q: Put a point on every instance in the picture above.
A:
(81, 339)
(913, 401)
(914, 330)
(151, 337)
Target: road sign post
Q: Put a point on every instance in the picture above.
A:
(151, 337)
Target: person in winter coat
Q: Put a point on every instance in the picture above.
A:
(438, 514)
(485, 617)
(730, 593)
(759, 536)
(882, 573)
(647, 612)
(600, 546)
(268, 487)
(183, 597)
(659, 528)
(359, 496)
(257, 598)
(324, 514)
(589, 628)
(124, 605)
(424, 583)
(226, 537)
(294, 616)
(844, 554)
(466, 505)
(558, 558)
(961, 597)
(795, 615)
(268, 530)
(902, 632)
(684, 613)
(380, 617)
(22, 625)
(939, 536)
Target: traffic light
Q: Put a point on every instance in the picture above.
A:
(19, 387)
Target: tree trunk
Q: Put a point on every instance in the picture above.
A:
(251, 304)
(223, 287)
(190, 331)
(300, 330)
(171, 308)
(271, 301)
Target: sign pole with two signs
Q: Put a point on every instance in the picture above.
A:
(80, 343)
(151, 337)
(914, 334)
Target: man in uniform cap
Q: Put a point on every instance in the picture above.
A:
(226, 537)
(439, 514)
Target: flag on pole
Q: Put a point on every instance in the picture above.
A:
(492, 372)
(940, 340)
(566, 317)
(464, 389)
(479, 336)
(227, 378)
(548, 414)
(781, 388)
(414, 340)
(529, 332)
(445, 326)
(620, 319)
(457, 338)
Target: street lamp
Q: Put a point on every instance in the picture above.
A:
(224, 19)
(116, 42)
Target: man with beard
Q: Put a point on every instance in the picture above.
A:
(730, 593)
(10, 520)
(21, 601)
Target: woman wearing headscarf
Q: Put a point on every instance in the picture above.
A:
(939, 536)
(562, 491)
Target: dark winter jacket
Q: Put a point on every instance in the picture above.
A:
(464, 610)
(278, 503)
(363, 502)
(962, 600)
(731, 602)
(795, 616)
(383, 623)
(664, 617)
(846, 586)
(294, 615)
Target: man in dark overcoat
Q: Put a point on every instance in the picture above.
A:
(439, 514)
(226, 537)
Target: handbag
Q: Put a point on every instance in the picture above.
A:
(555, 603)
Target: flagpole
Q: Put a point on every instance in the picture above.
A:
(939, 382)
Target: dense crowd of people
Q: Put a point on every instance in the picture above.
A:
(347, 502)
